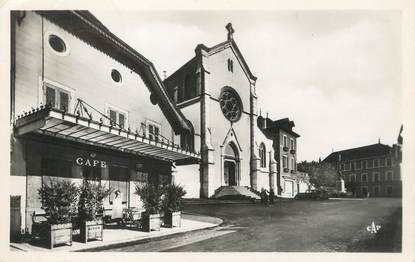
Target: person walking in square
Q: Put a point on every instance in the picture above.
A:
(271, 196)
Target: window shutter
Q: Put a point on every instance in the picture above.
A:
(64, 101)
(113, 116)
(50, 96)
(121, 120)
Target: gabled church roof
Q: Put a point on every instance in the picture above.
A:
(219, 47)
(232, 44)
(89, 29)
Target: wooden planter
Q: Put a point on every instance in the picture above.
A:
(173, 219)
(60, 234)
(150, 222)
(92, 230)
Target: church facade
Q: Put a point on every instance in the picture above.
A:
(216, 91)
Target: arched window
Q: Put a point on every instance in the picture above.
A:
(262, 155)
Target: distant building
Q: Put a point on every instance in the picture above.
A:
(373, 169)
(285, 147)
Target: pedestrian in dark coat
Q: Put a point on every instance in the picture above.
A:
(271, 196)
(266, 201)
(262, 195)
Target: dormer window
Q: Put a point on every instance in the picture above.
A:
(230, 65)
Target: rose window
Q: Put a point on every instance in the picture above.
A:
(231, 105)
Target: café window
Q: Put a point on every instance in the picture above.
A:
(91, 173)
(56, 167)
(119, 178)
(117, 117)
(140, 177)
(164, 179)
(57, 97)
(153, 130)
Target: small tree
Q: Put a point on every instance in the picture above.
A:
(150, 195)
(59, 200)
(90, 199)
(173, 198)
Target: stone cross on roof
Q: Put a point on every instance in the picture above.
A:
(230, 30)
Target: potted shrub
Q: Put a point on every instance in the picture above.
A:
(150, 195)
(172, 205)
(59, 202)
(90, 203)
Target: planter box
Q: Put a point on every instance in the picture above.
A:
(150, 222)
(60, 234)
(92, 230)
(173, 219)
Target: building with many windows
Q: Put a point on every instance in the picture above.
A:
(285, 148)
(370, 170)
(84, 104)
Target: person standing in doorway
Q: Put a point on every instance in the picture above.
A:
(117, 214)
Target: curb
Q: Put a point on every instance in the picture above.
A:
(127, 242)
(141, 241)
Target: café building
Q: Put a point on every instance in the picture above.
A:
(84, 104)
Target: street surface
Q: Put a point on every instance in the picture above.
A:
(310, 226)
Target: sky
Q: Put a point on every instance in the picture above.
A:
(336, 74)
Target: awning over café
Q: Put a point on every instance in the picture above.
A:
(56, 123)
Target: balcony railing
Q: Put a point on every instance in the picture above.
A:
(285, 148)
(292, 151)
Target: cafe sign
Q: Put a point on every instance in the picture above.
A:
(90, 161)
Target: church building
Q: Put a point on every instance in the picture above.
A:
(216, 91)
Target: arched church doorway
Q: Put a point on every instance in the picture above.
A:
(231, 165)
